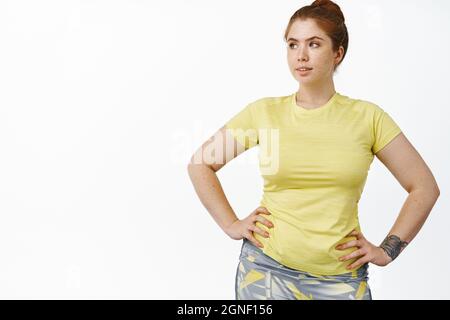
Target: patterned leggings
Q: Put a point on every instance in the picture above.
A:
(259, 277)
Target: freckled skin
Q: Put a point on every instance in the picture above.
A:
(317, 86)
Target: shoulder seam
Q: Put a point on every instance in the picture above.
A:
(269, 100)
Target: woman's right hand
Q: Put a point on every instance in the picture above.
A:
(244, 228)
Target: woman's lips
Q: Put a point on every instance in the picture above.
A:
(303, 72)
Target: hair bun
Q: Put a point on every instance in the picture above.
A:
(320, 3)
(329, 5)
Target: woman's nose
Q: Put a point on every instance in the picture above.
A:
(302, 55)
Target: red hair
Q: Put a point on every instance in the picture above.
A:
(329, 18)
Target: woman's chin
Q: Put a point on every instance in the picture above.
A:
(303, 80)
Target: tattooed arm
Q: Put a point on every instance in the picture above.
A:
(400, 157)
(393, 245)
(405, 163)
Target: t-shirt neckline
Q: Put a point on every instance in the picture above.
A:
(301, 110)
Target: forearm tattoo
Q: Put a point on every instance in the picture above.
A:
(393, 246)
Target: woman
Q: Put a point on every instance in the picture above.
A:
(304, 240)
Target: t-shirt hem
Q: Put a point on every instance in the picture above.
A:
(305, 267)
(244, 140)
(388, 139)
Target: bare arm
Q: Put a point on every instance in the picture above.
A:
(202, 170)
(408, 167)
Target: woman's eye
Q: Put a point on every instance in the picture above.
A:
(293, 44)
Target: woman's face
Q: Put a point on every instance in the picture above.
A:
(313, 53)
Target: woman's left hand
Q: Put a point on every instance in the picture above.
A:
(367, 252)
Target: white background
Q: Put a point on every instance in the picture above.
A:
(102, 104)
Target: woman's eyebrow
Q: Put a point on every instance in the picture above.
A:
(315, 37)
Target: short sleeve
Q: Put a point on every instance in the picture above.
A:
(384, 129)
(242, 127)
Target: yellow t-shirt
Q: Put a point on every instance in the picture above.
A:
(314, 163)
